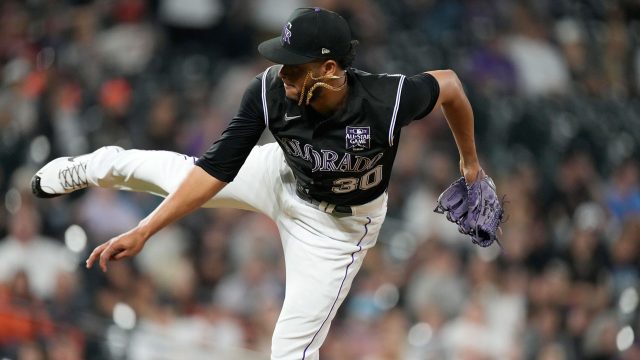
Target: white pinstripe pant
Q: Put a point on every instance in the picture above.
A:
(322, 252)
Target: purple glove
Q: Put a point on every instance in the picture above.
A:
(475, 208)
(453, 201)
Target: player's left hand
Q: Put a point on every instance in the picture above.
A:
(485, 214)
(470, 172)
(120, 247)
(474, 207)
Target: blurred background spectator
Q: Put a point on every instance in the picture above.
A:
(554, 85)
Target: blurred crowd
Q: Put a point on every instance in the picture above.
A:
(554, 85)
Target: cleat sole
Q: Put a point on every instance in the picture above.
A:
(36, 189)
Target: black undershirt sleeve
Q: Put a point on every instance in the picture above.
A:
(225, 157)
(419, 96)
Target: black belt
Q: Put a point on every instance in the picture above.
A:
(326, 207)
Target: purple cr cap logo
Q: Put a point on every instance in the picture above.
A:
(286, 33)
(317, 9)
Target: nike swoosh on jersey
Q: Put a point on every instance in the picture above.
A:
(289, 118)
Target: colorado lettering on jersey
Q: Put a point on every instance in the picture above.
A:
(329, 160)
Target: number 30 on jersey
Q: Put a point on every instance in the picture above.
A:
(365, 182)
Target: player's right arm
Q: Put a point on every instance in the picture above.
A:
(193, 192)
(217, 167)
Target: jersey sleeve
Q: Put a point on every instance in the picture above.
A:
(225, 157)
(419, 96)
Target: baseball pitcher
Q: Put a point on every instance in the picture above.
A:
(323, 182)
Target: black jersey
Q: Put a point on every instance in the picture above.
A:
(343, 159)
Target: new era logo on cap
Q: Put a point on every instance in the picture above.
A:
(308, 35)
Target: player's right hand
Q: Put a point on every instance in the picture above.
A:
(120, 247)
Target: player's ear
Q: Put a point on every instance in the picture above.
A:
(330, 67)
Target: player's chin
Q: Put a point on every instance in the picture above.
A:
(291, 92)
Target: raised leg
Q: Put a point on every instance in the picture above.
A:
(161, 172)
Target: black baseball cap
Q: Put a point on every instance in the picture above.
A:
(309, 34)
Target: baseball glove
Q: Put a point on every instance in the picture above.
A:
(475, 208)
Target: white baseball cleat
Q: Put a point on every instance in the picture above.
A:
(60, 176)
(63, 175)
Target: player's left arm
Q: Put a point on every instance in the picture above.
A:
(457, 110)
